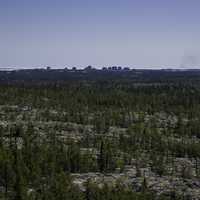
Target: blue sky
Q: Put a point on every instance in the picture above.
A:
(135, 33)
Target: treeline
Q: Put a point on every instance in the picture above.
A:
(114, 99)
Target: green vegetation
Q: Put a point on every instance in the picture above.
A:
(51, 131)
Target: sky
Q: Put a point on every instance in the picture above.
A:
(67, 33)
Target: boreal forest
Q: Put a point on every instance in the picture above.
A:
(99, 134)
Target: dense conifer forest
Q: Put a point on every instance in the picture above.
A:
(99, 135)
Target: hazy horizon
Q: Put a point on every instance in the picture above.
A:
(137, 34)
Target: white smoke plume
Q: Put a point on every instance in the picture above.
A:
(190, 61)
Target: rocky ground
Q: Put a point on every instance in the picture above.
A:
(165, 185)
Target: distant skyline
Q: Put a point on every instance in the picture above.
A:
(67, 33)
